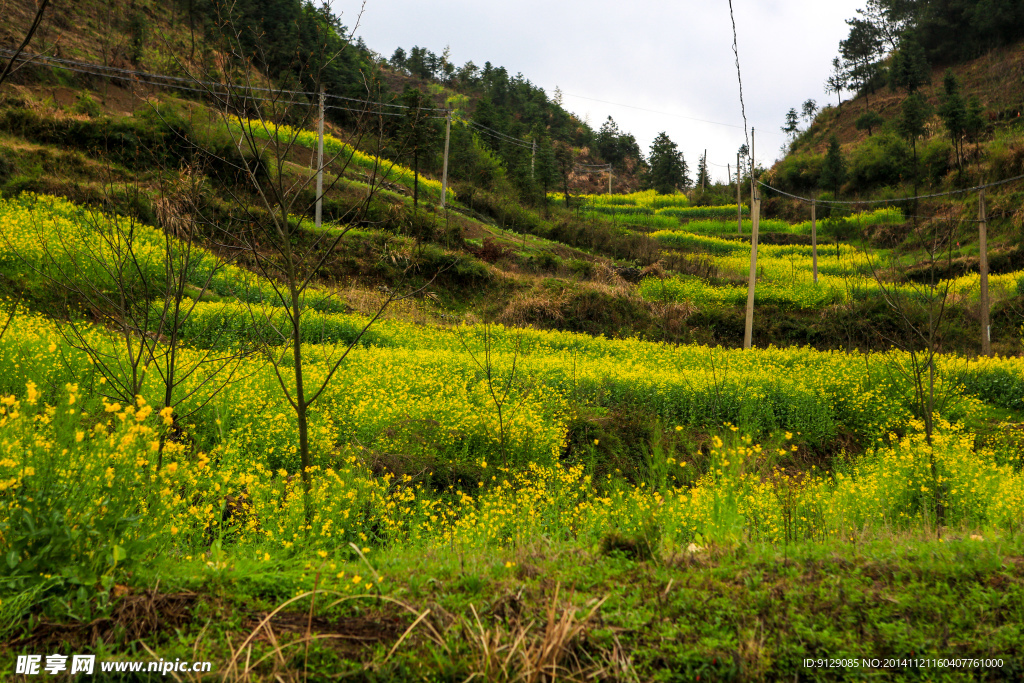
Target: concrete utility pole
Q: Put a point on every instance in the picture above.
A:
(320, 162)
(986, 327)
(755, 211)
(814, 238)
(444, 174)
(609, 178)
(533, 159)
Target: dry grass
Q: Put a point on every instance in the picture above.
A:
(532, 652)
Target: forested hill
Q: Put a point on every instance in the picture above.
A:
(937, 95)
(507, 114)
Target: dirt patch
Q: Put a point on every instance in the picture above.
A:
(347, 630)
(135, 615)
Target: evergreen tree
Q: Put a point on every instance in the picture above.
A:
(833, 170)
(792, 123)
(420, 134)
(953, 112)
(860, 51)
(838, 81)
(668, 169)
(910, 68)
(546, 168)
(809, 110)
(911, 125)
(974, 124)
(868, 121)
(606, 142)
(398, 58)
(703, 179)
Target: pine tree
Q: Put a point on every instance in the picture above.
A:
(809, 110)
(974, 124)
(953, 112)
(420, 134)
(703, 179)
(833, 170)
(910, 68)
(868, 121)
(792, 123)
(668, 169)
(607, 142)
(911, 125)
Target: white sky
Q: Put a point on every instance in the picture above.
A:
(671, 57)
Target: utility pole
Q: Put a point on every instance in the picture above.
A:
(704, 176)
(320, 163)
(986, 327)
(814, 238)
(609, 178)
(755, 211)
(739, 201)
(447, 139)
(533, 159)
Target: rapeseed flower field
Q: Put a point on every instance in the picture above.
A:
(409, 446)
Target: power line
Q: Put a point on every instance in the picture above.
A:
(739, 77)
(654, 111)
(81, 67)
(499, 135)
(896, 200)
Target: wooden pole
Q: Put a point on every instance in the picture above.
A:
(748, 328)
(739, 200)
(444, 173)
(755, 211)
(986, 327)
(704, 166)
(814, 238)
(320, 162)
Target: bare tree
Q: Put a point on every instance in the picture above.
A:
(508, 393)
(921, 310)
(141, 287)
(12, 64)
(276, 237)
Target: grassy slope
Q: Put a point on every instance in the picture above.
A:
(746, 613)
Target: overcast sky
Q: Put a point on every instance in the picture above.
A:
(674, 58)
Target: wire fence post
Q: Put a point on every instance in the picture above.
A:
(986, 327)
(755, 211)
(320, 162)
(444, 173)
(814, 238)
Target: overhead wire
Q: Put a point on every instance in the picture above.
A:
(91, 68)
(976, 188)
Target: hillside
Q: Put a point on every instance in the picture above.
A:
(504, 431)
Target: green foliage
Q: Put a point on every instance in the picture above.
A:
(935, 159)
(868, 121)
(294, 42)
(910, 68)
(833, 168)
(85, 104)
(668, 170)
(799, 171)
(614, 146)
(881, 160)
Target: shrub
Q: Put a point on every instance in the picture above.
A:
(883, 159)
